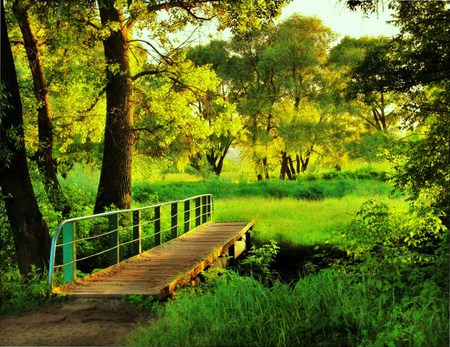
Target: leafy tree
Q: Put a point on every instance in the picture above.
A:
(226, 125)
(182, 117)
(30, 232)
(424, 47)
(421, 69)
(44, 153)
(115, 179)
(274, 66)
(364, 63)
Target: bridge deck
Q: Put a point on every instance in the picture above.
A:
(158, 271)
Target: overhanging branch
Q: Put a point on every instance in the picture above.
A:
(146, 73)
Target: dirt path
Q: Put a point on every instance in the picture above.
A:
(80, 322)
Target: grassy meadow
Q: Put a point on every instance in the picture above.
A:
(314, 286)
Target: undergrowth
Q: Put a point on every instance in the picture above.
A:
(390, 290)
(20, 294)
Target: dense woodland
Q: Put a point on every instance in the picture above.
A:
(125, 89)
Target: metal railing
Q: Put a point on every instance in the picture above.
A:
(114, 236)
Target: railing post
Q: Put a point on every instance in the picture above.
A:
(157, 225)
(209, 207)
(174, 220)
(69, 252)
(137, 232)
(187, 215)
(197, 211)
(204, 209)
(114, 253)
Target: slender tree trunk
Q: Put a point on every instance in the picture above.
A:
(383, 114)
(216, 160)
(115, 178)
(31, 237)
(291, 168)
(283, 166)
(266, 167)
(44, 154)
(285, 169)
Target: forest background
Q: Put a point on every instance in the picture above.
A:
(100, 100)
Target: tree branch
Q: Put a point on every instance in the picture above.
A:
(164, 57)
(146, 73)
(180, 4)
(97, 98)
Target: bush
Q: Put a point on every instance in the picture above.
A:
(19, 294)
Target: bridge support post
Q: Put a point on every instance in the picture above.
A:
(187, 216)
(137, 232)
(248, 239)
(157, 225)
(69, 252)
(174, 220)
(114, 253)
(232, 254)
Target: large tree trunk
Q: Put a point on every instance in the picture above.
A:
(31, 237)
(44, 154)
(115, 179)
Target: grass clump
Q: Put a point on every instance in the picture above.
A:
(329, 308)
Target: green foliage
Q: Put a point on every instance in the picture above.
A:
(7, 250)
(403, 239)
(19, 294)
(259, 260)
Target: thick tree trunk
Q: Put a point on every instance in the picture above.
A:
(44, 154)
(31, 237)
(115, 178)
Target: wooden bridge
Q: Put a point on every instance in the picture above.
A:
(149, 250)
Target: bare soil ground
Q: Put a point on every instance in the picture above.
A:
(77, 322)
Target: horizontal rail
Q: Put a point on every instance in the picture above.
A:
(183, 216)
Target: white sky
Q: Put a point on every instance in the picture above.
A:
(341, 20)
(333, 14)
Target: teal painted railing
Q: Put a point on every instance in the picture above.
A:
(123, 233)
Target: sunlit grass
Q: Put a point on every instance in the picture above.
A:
(299, 221)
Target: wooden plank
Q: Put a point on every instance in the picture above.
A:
(160, 270)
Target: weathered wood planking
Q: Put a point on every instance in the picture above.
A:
(158, 271)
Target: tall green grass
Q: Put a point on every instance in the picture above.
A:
(327, 309)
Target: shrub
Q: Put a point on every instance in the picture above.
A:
(19, 294)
